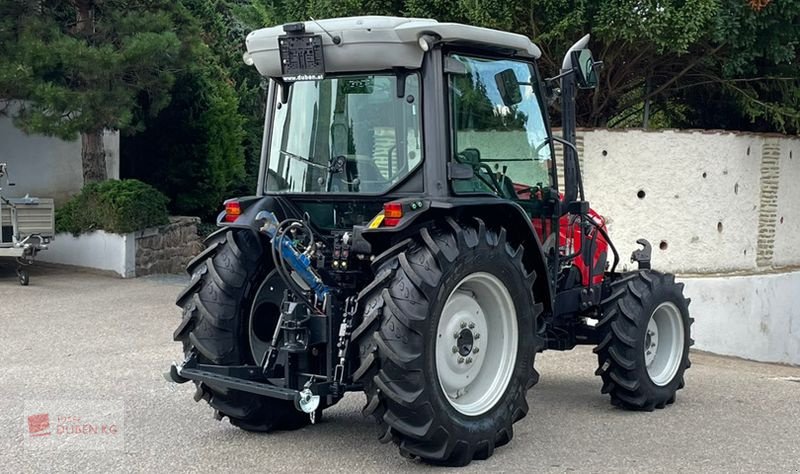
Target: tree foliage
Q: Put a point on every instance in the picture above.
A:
(194, 149)
(170, 74)
(82, 66)
(690, 63)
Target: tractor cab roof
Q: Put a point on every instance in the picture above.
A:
(374, 43)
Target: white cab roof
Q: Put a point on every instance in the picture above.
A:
(371, 43)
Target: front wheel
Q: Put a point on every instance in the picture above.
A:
(645, 338)
(447, 343)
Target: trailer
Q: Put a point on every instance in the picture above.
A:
(27, 226)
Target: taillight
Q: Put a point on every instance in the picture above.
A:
(232, 210)
(392, 213)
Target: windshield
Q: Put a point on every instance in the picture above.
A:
(346, 134)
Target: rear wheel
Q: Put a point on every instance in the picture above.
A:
(447, 343)
(645, 339)
(222, 307)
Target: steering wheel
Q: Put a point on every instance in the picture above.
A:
(495, 184)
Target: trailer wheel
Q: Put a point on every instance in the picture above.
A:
(24, 277)
(645, 338)
(217, 304)
(447, 343)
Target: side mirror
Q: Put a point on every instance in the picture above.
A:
(584, 66)
(508, 86)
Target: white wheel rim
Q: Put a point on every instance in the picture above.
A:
(664, 343)
(476, 344)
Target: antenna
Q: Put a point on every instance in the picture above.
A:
(335, 39)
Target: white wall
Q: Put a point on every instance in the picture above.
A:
(46, 166)
(787, 216)
(709, 196)
(100, 250)
(693, 181)
(754, 316)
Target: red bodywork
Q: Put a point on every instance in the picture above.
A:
(569, 239)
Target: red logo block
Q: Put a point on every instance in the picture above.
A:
(39, 425)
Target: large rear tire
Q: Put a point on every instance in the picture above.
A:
(447, 343)
(215, 327)
(645, 337)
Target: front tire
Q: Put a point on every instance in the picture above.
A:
(645, 337)
(433, 302)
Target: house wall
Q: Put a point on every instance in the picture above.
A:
(47, 166)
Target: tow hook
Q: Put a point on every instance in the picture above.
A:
(174, 374)
(307, 402)
(642, 256)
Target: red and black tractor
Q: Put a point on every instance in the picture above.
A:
(408, 240)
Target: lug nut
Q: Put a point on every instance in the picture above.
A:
(455, 349)
(461, 360)
(476, 350)
(477, 335)
(472, 325)
(463, 324)
(456, 335)
(469, 360)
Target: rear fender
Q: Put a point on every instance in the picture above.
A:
(252, 205)
(495, 213)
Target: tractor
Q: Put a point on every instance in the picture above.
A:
(409, 239)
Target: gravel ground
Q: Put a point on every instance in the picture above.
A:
(100, 340)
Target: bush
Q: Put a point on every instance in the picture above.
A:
(113, 206)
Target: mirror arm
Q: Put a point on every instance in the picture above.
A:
(563, 74)
(563, 142)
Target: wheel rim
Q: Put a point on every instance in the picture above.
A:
(476, 344)
(664, 343)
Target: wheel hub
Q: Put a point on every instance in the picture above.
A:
(464, 342)
(650, 342)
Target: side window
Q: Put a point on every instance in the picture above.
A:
(498, 127)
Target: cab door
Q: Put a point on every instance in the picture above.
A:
(499, 128)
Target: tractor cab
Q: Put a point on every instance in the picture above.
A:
(369, 111)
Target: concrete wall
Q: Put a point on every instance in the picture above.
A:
(46, 166)
(752, 316)
(712, 204)
(165, 249)
(99, 250)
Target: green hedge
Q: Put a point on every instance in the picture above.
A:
(113, 206)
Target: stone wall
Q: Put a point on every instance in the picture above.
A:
(167, 249)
